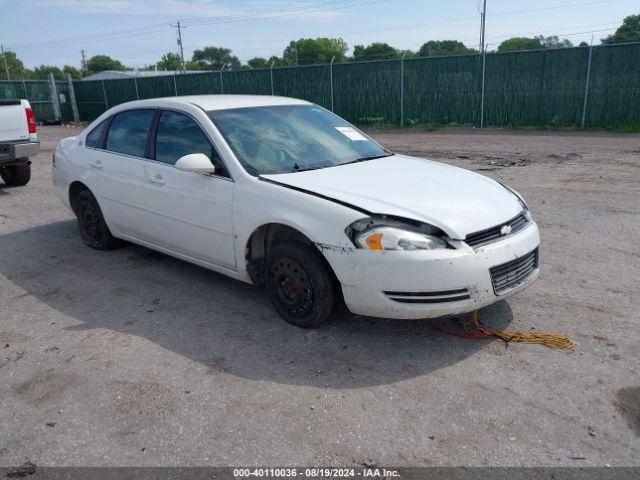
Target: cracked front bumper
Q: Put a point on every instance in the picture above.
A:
(431, 283)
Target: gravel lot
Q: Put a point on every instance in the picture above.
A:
(130, 357)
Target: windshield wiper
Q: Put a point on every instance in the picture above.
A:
(297, 168)
(371, 157)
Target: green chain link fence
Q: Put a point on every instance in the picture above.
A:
(596, 87)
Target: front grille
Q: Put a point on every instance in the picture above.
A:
(516, 272)
(442, 296)
(494, 233)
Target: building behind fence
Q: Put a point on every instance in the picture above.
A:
(595, 87)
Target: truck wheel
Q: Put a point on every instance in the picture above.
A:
(93, 228)
(299, 284)
(16, 175)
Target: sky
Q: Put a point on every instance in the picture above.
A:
(139, 32)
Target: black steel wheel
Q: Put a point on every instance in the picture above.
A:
(300, 284)
(93, 228)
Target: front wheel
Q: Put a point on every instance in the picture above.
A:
(93, 228)
(16, 175)
(300, 284)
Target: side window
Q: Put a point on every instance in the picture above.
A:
(179, 135)
(95, 136)
(128, 132)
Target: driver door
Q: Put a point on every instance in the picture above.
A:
(190, 213)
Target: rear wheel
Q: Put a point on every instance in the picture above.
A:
(300, 284)
(16, 175)
(93, 228)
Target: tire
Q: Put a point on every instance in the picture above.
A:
(16, 175)
(299, 284)
(93, 228)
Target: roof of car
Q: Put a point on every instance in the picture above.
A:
(222, 102)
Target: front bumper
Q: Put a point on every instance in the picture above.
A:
(366, 275)
(11, 151)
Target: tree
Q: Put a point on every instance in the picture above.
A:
(214, 58)
(307, 51)
(191, 65)
(629, 31)
(73, 71)
(276, 61)
(16, 67)
(437, 48)
(520, 43)
(375, 51)
(42, 72)
(170, 61)
(554, 42)
(407, 53)
(100, 63)
(258, 62)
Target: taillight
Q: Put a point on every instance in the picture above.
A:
(31, 120)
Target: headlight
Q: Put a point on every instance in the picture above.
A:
(390, 238)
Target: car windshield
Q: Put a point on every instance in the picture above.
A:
(292, 138)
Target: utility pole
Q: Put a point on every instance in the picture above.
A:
(85, 70)
(483, 14)
(6, 65)
(180, 44)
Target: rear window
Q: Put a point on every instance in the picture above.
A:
(128, 132)
(94, 139)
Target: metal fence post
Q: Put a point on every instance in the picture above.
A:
(271, 73)
(24, 86)
(222, 80)
(402, 90)
(135, 82)
(55, 100)
(104, 94)
(175, 85)
(586, 89)
(484, 58)
(331, 80)
(72, 99)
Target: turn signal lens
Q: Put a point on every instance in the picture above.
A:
(393, 238)
(374, 241)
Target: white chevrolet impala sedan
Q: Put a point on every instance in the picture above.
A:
(282, 193)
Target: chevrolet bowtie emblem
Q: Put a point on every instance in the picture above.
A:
(505, 230)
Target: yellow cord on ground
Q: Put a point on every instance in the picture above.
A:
(558, 340)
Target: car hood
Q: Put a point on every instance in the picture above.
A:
(455, 200)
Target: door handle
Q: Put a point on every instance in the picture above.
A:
(158, 180)
(97, 164)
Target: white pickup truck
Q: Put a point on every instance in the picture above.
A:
(18, 141)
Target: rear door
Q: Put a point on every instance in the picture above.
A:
(119, 171)
(190, 213)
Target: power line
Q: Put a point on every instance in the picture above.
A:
(427, 24)
(166, 26)
(293, 14)
(249, 15)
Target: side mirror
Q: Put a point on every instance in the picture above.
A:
(196, 163)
